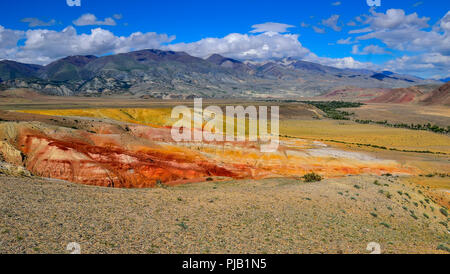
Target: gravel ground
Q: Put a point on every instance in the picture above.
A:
(266, 216)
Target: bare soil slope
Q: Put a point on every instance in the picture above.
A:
(440, 96)
(399, 96)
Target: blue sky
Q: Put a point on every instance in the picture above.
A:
(407, 36)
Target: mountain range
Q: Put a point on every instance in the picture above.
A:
(168, 74)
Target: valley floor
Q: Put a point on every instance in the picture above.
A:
(384, 185)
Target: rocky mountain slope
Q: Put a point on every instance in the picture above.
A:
(169, 74)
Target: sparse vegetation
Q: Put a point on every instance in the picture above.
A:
(331, 108)
(443, 247)
(182, 225)
(312, 177)
(428, 126)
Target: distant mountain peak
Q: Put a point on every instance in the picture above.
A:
(219, 59)
(77, 60)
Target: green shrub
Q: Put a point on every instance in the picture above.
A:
(443, 247)
(312, 177)
(182, 225)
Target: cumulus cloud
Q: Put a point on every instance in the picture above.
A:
(332, 22)
(427, 64)
(427, 52)
(337, 3)
(89, 19)
(36, 22)
(270, 27)
(406, 32)
(244, 46)
(43, 46)
(345, 62)
(9, 37)
(8, 42)
(395, 19)
(370, 49)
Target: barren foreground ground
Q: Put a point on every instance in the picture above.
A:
(266, 216)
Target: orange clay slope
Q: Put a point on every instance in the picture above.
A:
(118, 154)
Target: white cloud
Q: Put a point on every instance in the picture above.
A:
(318, 30)
(407, 32)
(304, 25)
(360, 30)
(332, 22)
(90, 19)
(36, 22)
(43, 46)
(337, 3)
(395, 19)
(8, 42)
(345, 62)
(9, 37)
(370, 49)
(243, 46)
(427, 65)
(118, 16)
(270, 27)
(347, 41)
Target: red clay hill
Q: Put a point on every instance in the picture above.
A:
(439, 96)
(399, 96)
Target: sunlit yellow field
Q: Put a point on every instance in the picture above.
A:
(350, 132)
(144, 116)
